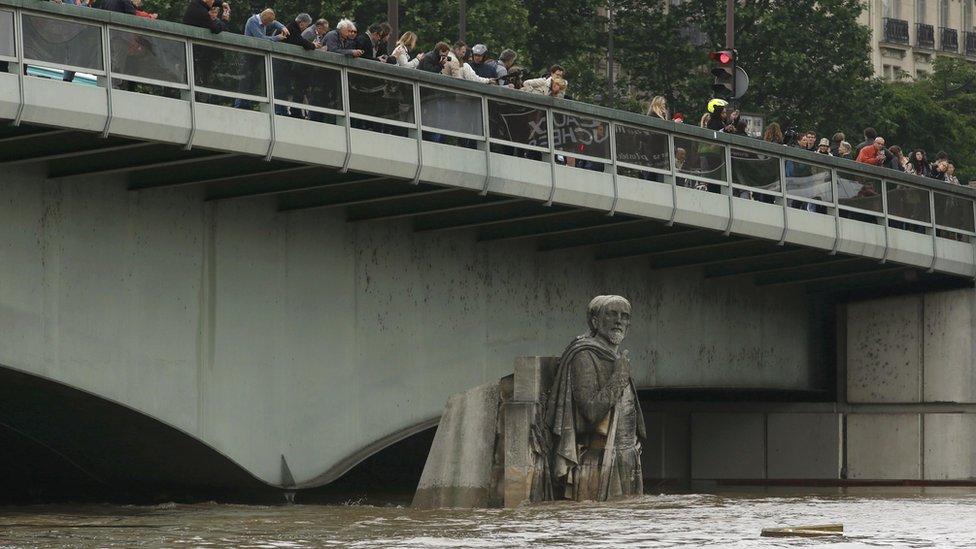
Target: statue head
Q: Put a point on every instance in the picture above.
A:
(609, 318)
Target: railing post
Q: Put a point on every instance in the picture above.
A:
(884, 208)
(107, 67)
(192, 92)
(728, 179)
(786, 205)
(972, 239)
(344, 86)
(674, 180)
(269, 88)
(420, 132)
(612, 129)
(21, 66)
(833, 191)
(550, 133)
(935, 231)
(486, 131)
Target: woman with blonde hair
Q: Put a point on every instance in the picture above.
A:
(658, 108)
(401, 52)
(705, 119)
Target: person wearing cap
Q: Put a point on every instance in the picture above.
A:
(679, 118)
(824, 147)
(716, 110)
(457, 67)
(485, 67)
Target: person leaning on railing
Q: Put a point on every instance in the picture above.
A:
(316, 33)
(458, 68)
(295, 34)
(401, 53)
(259, 25)
(554, 85)
(435, 60)
(200, 13)
(341, 39)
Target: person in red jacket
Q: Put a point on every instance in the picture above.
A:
(873, 155)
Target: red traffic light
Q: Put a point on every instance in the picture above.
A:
(724, 57)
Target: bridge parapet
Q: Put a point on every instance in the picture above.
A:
(174, 83)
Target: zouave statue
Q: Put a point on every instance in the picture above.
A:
(593, 423)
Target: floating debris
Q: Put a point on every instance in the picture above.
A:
(804, 531)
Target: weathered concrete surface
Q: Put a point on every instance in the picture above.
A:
(264, 333)
(884, 446)
(665, 457)
(728, 446)
(458, 472)
(917, 348)
(884, 350)
(950, 446)
(948, 356)
(804, 446)
(520, 470)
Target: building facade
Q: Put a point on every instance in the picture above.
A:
(907, 35)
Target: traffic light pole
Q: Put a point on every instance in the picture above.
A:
(730, 40)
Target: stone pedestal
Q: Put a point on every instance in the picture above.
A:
(533, 379)
(482, 454)
(458, 472)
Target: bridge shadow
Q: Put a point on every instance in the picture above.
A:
(60, 444)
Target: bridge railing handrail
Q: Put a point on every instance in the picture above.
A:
(716, 170)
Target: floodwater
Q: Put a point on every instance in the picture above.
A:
(876, 519)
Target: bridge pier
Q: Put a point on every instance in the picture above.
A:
(904, 412)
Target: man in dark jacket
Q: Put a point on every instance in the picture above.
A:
(295, 29)
(435, 60)
(294, 84)
(200, 13)
(120, 6)
(870, 134)
(372, 41)
(485, 67)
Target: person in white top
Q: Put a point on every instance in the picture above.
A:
(401, 52)
(457, 68)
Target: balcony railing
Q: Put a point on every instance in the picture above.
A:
(948, 39)
(969, 39)
(895, 30)
(924, 36)
(412, 106)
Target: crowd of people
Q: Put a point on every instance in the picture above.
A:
(872, 150)
(476, 64)
(456, 60)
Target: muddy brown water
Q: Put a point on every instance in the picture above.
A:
(876, 518)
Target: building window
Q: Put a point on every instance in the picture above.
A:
(920, 11)
(967, 15)
(896, 9)
(943, 13)
(891, 9)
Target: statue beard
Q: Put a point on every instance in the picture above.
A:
(615, 337)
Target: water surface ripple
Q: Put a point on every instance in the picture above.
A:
(688, 520)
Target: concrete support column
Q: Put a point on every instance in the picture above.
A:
(911, 387)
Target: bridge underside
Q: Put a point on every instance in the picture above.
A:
(66, 155)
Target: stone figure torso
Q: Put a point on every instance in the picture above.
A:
(597, 392)
(590, 446)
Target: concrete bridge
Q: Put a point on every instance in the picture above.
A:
(198, 295)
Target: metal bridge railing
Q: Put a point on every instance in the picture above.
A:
(165, 58)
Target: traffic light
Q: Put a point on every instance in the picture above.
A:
(724, 72)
